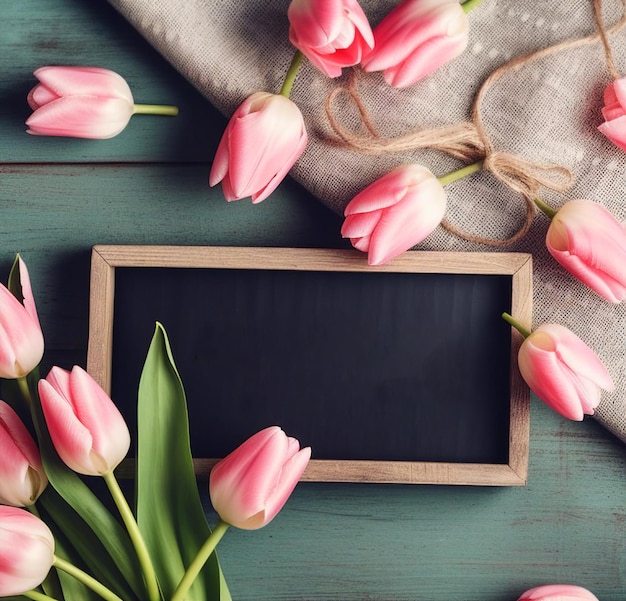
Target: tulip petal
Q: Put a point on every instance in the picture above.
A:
(26, 551)
(406, 224)
(84, 81)
(431, 55)
(615, 130)
(22, 478)
(71, 439)
(28, 299)
(558, 592)
(360, 224)
(97, 412)
(290, 475)
(590, 243)
(81, 117)
(21, 340)
(39, 96)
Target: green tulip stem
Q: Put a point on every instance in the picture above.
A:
(86, 579)
(25, 390)
(291, 74)
(453, 176)
(547, 210)
(199, 560)
(155, 109)
(37, 596)
(523, 330)
(135, 535)
(469, 5)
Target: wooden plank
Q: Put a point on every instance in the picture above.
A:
(59, 32)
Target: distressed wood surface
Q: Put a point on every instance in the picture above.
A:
(332, 542)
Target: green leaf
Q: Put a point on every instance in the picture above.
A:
(169, 510)
(14, 284)
(104, 526)
(62, 519)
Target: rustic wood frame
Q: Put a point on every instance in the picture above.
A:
(105, 259)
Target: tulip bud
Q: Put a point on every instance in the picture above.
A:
(416, 38)
(563, 371)
(22, 478)
(263, 139)
(394, 213)
(86, 428)
(83, 102)
(21, 339)
(614, 113)
(332, 34)
(26, 551)
(591, 244)
(250, 485)
(558, 592)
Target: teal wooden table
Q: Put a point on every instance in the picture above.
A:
(59, 197)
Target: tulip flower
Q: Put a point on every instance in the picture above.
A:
(614, 113)
(394, 213)
(416, 38)
(263, 139)
(561, 369)
(86, 428)
(332, 34)
(250, 485)
(22, 478)
(590, 243)
(26, 551)
(83, 102)
(558, 592)
(21, 339)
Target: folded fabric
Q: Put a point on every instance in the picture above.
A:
(545, 110)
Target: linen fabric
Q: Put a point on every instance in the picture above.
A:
(546, 110)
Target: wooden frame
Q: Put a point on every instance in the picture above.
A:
(105, 260)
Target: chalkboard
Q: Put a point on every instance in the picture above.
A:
(400, 373)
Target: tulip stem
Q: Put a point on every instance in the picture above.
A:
(291, 74)
(199, 560)
(547, 210)
(469, 5)
(25, 390)
(86, 579)
(155, 109)
(135, 535)
(453, 176)
(37, 596)
(523, 330)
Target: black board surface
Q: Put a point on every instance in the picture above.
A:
(358, 365)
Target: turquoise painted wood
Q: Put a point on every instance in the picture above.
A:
(332, 542)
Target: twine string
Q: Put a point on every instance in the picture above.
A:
(469, 141)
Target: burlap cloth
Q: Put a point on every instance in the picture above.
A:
(546, 110)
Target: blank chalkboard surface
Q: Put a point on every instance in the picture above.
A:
(399, 373)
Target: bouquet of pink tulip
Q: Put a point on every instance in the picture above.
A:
(57, 539)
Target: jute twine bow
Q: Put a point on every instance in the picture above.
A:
(468, 141)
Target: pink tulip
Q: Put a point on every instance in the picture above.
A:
(416, 38)
(26, 551)
(87, 430)
(251, 485)
(332, 34)
(79, 102)
(558, 592)
(614, 126)
(22, 478)
(563, 371)
(21, 339)
(591, 244)
(263, 139)
(394, 213)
